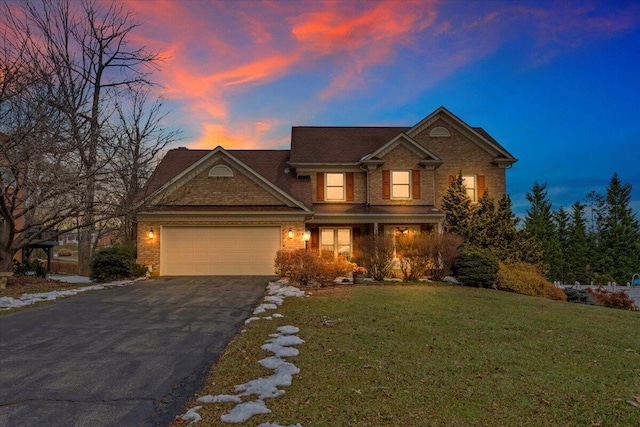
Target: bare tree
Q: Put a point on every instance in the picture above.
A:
(86, 46)
(140, 138)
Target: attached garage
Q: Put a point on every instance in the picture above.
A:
(203, 251)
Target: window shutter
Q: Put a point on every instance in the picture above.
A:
(415, 183)
(481, 185)
(349, 184)
(386, 184)
(320, 186)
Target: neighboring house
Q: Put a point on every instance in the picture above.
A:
(228, 211)
(105, 238)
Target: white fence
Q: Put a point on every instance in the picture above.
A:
(632, 291)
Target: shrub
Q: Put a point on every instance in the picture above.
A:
(414, 251)
(476, 267)
(307, 268)
(375, 253)
(29, 268)
(527, 279)
(578, 296)
(300, 266)
(618, 299)
(115, 262)
(64, 252)
(444, 251)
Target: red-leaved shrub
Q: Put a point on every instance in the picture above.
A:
(606, 298)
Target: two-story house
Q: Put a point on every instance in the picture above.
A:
(219, 212)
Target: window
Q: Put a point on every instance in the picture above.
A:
(469, 182)
(400, 184)
(335, 186)
(336, 241)
(221, 171)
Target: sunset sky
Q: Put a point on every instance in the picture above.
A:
(557, 83)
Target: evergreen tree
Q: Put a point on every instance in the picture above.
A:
(562, 221)
(482, 223)
(457, 206)
(538, 223)
(578, 267)
(509, 243)
(619, 246)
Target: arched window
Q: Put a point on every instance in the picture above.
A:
(439, 131)
(221, 171)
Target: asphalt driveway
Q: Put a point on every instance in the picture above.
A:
(126, 356)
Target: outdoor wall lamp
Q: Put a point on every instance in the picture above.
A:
(150, 233)
(306, 235)
(290, 234)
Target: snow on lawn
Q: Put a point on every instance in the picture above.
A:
(281, 345)
(7, 303)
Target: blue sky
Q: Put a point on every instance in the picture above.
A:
(557, 83)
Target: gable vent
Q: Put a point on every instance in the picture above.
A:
(221, 171)
(439, 131)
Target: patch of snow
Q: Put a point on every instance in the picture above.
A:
(286, 340)
(278, 425)
(288, 330)
(450, 279)
(70, 279)
(280, 351)
(242, 412)
(280, 345)
(274, 299)
(264, 307)
(28, 299)
(192, 415)
(220, 398)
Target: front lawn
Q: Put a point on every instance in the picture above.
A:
(442, 356)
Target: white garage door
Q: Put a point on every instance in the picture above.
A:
(204, 251)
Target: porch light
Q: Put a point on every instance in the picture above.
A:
(306, 235)
(290, 234)
(150, 233)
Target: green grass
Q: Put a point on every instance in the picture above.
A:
(442, 356)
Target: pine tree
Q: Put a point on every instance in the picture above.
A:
(457, 206)
(538, 224)
(562, 221)
(482, 225)
(578, 266)
(509, 243)
(619, 246)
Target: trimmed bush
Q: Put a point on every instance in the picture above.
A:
(64, 252)
(476, 267)
(578, 296)
(114, 263)
(527, 279)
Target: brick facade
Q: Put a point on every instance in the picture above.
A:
(279, 188)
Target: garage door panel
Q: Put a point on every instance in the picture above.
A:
(219, 250)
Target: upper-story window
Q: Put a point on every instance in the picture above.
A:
(400, 184)
(471, 184)
(335, 186)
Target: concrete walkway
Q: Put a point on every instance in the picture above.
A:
(125, 356)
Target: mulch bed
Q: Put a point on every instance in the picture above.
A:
(18, 285)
